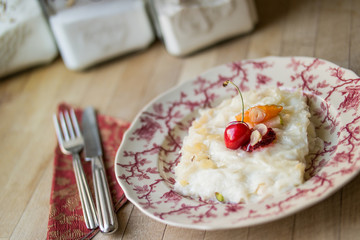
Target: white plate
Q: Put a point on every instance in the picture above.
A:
(145, 160)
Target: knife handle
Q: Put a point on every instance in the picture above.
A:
(106, 215)
(87, 202)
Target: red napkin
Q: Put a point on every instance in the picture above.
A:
(66, 219)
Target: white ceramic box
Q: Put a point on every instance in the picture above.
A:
(90, 32)
(25, 38)
(186, 26)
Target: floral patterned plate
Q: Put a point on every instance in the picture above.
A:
(145, 161)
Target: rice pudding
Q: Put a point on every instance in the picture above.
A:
(207, 167)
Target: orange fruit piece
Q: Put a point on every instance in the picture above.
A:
(259, 114)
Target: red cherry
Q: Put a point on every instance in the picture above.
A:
(236, 134)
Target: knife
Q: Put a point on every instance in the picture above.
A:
(93, 152)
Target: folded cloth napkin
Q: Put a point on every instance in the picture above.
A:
(66, 219)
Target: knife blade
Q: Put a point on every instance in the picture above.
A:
(93, 152)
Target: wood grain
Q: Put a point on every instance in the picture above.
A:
(121, 87)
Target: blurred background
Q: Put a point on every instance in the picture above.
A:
(86, 33)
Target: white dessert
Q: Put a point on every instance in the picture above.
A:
(208, 167)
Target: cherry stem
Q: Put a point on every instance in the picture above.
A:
(242, 100)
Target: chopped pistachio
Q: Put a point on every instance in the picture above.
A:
(281, 120)
(219, 197)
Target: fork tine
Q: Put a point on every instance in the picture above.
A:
(69, 124)
(64, 127)
(75, 122)
(58, 130)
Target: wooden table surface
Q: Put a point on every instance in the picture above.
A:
(121, 87)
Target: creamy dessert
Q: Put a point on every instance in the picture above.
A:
(209, 169)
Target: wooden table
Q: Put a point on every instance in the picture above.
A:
(121, 87)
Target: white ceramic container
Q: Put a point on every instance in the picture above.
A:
(90, 32)
(186, 26)
(25, 38)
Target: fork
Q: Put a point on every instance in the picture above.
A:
(71, 142)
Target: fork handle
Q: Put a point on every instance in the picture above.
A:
(86, 199)
(106, 215)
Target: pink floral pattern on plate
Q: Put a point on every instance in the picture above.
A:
(146, 158)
